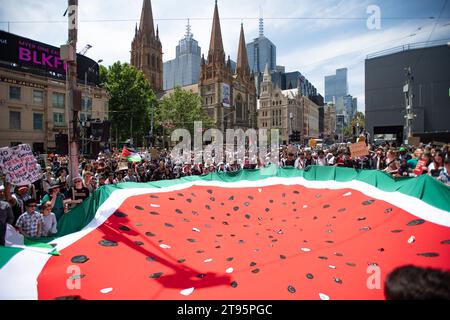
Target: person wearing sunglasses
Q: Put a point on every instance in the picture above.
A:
(29, 223)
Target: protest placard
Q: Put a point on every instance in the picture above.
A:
(359, 149)
(414, 141)
(19, 165)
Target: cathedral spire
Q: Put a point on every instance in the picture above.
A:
(242, 59)
(146, 25)
(216, 51)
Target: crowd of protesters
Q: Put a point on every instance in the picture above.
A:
(35, 209)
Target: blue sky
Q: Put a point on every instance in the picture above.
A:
(334, 35)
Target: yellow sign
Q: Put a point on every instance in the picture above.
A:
(312, 143)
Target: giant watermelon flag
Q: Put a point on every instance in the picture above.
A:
(267, 234)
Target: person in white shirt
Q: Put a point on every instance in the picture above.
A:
(321, 160)
(300, 163)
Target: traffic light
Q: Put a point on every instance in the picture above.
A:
(62, 144)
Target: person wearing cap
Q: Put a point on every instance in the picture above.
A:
(17, 201)
(30, 222)
(77, 194)
(56, 198)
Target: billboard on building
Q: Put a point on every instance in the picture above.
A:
(42, 59)
(225, 95)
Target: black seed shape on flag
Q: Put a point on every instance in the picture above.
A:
(250, 197)
(271, 201)
(267, 210)
(225, 223)
(323, 258)
(342, 210)
(77, 277)
(247, 216)
(156, 275)
(236, 208)
(318, 196)
(338, 280)
(445, 242)
(150, 234)
(351, 264)
(246, 204)
(241, 241)
(168, 225)
(222, 204)
(192, 240)
(284, 203)
(209, 191)
(429, 254)
(154, 197)
(329, 241)
(291, 289)
(234, 284)
(120, 215)
(381, 249)
(295, 210)
(315, 218)
(79, 259)
(200, 251)
(231, 198)
(252, 264)
(212, 199)
(368, 202)
(218, 247)
(186, 220)
(296, 192)
(283, 195)
(228, 214)
(389, 210)
(195, 213)
(139, 208)
(310, 276)
(230, 259)
(189, 200)
(193, 194)
(366, 229)
(213, 218)
(337, 254)
(107, 243)
(219, 235)
(201, 275)
(396, 231)
(294, 202)
(139, 243)
(326, 206)
(208, 207)
(172, 199)
(124, 228)
(182, 261)
(361, 218)
(255, 271)
(416, 223)
(180, 194)
(282, 257)
(151, 259)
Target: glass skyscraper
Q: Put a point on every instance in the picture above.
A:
(261, 52)
(336, 85)
(184, 70)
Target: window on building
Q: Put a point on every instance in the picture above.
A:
(38, 121)
(14, 120)
(59, 119)
(86, 104)
(59, 100)
(38, 97)
(14, 92)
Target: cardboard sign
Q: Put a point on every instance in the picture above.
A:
(418, 170)
(154, 154)
(122, 166)
(414, 141)
(359, 149)
(19, 165)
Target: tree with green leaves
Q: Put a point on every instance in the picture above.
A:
(358, 122)
(179, 110)
(131, 101)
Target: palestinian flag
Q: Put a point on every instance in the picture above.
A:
(266, 234)
(131, 155)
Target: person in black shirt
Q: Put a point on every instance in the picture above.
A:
(77, 194)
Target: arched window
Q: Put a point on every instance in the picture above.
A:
(239, 107)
